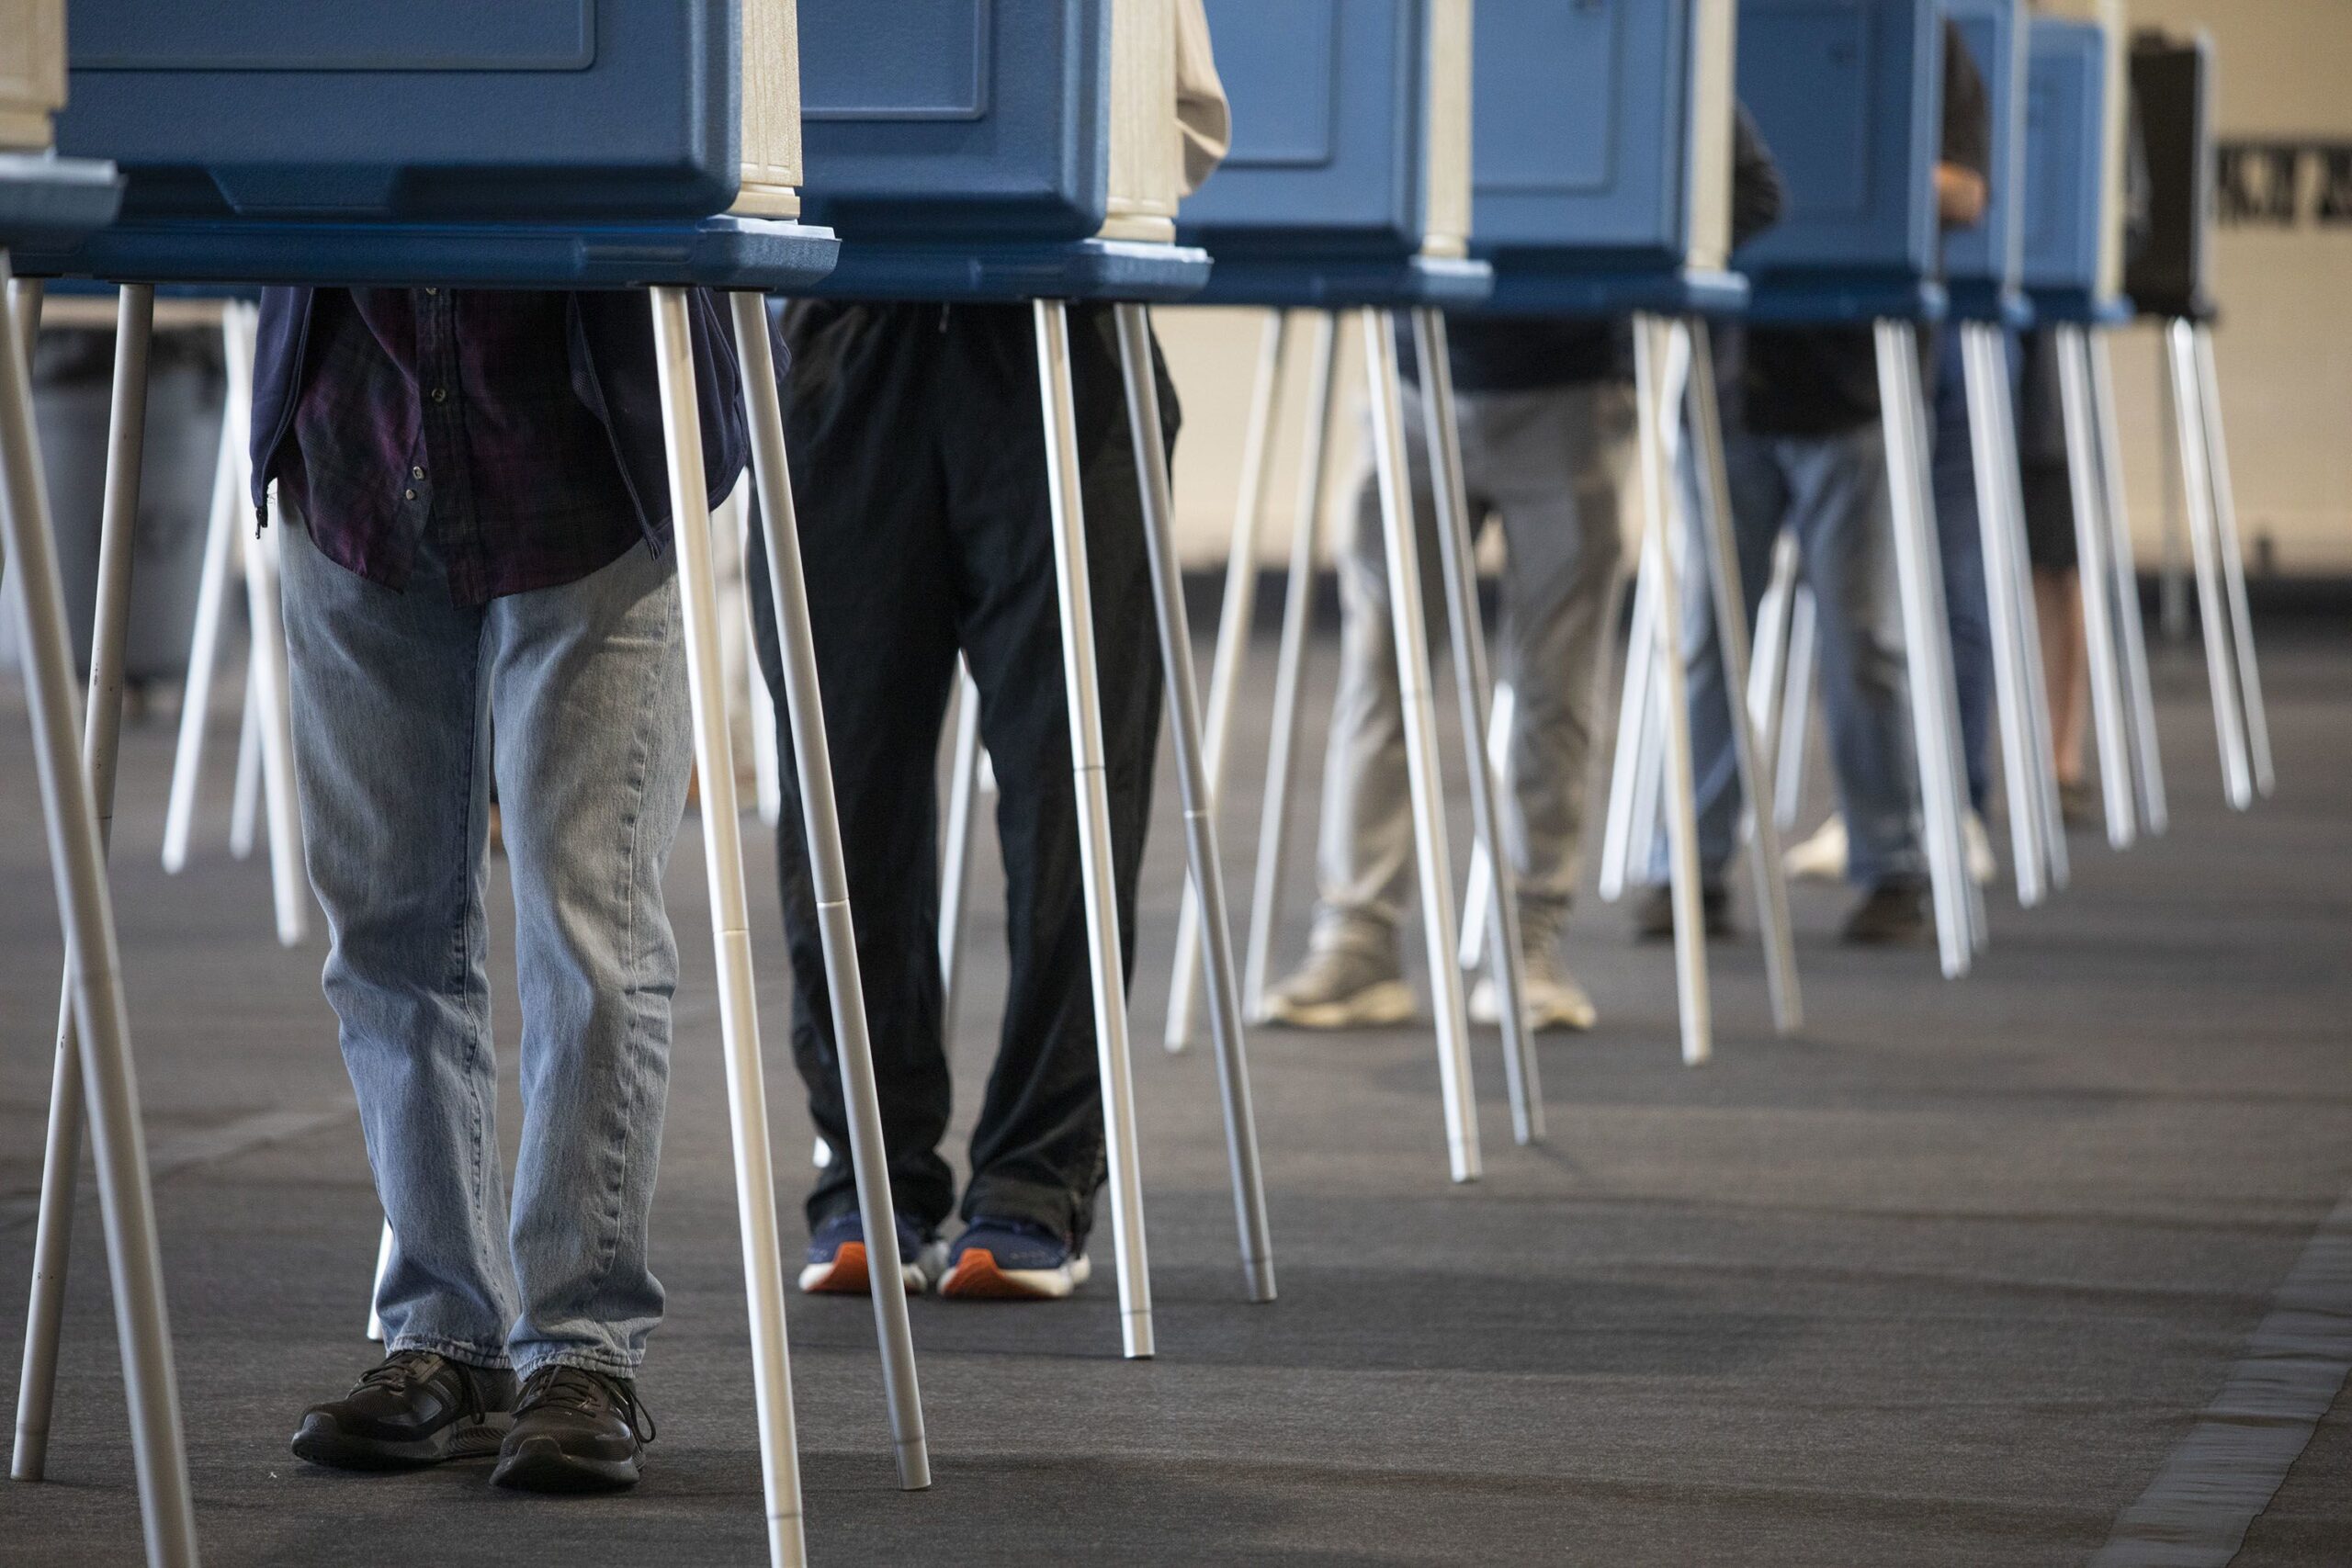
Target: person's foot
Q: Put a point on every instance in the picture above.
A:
(837, 1258)
(575, 1430)
(1654, 917)
(1820, 858)
(1342, 987)
(413, 1408)
(1012, 1260)
(1555, 999)
(1894, 912)
(1982, 866)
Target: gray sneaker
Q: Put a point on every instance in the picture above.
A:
(1555, 999)
(1342, 988)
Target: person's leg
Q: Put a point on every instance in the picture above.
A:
(1038, 1148)
(2065, 652)
(1840, 508)
(860, 436)
(391, 763)
(1552, 463)
(588, 682)
(1960, 540)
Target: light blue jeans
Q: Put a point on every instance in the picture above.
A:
(393, 693)
(1832, 492)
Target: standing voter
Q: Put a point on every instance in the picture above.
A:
(476, 524)
(916, 444)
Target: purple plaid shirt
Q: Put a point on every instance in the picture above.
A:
(453, 409)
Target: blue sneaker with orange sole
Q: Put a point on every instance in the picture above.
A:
(1013, 1260)
(837, 1257)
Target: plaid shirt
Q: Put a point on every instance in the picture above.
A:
(453, 409)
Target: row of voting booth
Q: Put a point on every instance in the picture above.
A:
(1418, 158)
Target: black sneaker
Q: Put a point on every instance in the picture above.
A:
(1891, 914)
(415, 1408)
(575, 1430)
(1654, 917)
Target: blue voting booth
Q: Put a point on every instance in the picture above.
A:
(1600, 156)
(548, 144)
(969, 149)
(1347, 182)
(2065, 208)
(541, 144)
(1983, 261)
(1847, 93)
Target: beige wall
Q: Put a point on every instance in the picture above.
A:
(2284, 348)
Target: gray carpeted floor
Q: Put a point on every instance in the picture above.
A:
(1943, 1280)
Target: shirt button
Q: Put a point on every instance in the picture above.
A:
(430, 292)
(416, 473)
(409, 494)
(440, 394)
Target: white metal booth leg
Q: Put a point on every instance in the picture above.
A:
(1197, 795)
(1234, 615)
(1501, 715)
(1442, 435)
(61, 1158)
(1935, 704)
(2037, 830)
(2225, 515)
(2216, 613)
(1095, 862)
(2148, 776)
(965, 771)
(1290, 663)
(1420, 714)
(69, 807)
(1626, 832)
(1657, 402)
(738, 1022)
(2093, 545)
(828, 878)
(204, 646)
(375, 1290)
(1721, 562)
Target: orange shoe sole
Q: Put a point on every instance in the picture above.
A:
(976, 1277)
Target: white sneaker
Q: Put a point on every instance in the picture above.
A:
(1342, 987)
(1982, 866)
(1555, 999)
(1821, 858)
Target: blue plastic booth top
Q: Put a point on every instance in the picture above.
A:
(1582, 159)
(963, 148)
(533, 143)
(2065, 183)
(1323, 198)
(1983, 263)
(1848, 96)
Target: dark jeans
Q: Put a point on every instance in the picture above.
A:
(918, 460)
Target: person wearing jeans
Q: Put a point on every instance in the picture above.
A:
(474, 488)
(1546, 418)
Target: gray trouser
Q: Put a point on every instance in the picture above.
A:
(1548, 465)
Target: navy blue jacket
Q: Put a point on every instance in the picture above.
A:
(612, 369)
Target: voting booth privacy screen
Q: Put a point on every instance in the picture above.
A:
(415, 110)
(1847, 93)
(2172, 103)
(1347, 127)
(1602, 132)
(1983, 259)
(2064, 183)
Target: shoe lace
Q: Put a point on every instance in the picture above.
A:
(396, 1372)
(585, 1390)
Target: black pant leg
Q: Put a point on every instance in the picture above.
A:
(1037, 1147)
(867, 478)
